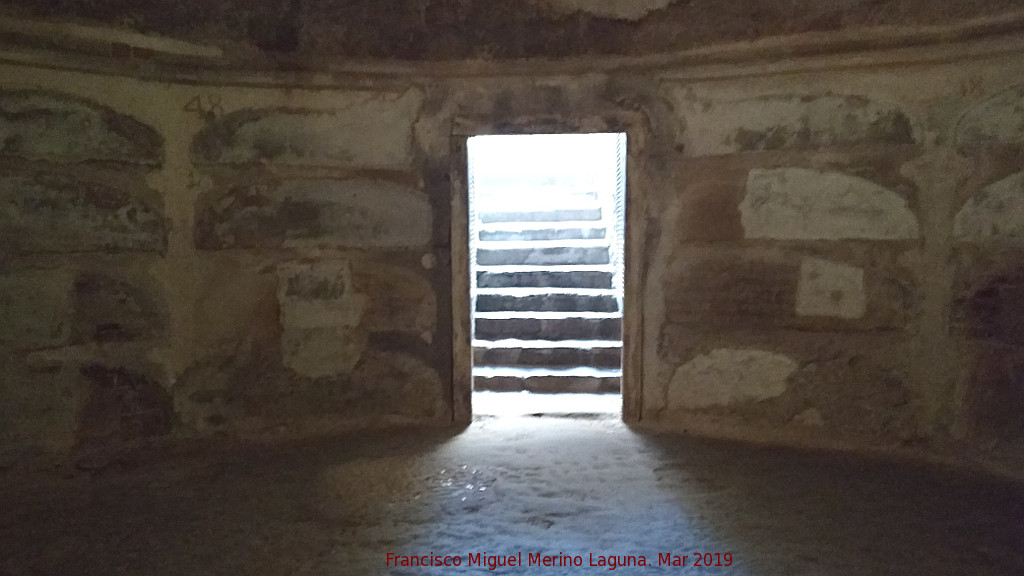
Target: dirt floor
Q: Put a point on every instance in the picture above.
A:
(586, 487)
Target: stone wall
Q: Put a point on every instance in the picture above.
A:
(831, 254)
(180, 262)
(839, 260)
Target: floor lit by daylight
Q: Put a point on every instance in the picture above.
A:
(590, 491)
(525, 403)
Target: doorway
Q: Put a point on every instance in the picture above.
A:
(546, 270)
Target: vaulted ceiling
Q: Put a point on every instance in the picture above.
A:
(508, 29)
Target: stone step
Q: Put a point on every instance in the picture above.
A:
(507, 379)
(545, 279)
(547, 233)
(541, 225)
(553, 302)
(518, 404)
(547, 354)
(543, 256)
(569, 328)
(500, 197)
(561, 215)
(538, 244)
(546, 315)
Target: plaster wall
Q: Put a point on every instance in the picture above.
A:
(831, 252)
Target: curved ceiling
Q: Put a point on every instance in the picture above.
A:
(433, 30)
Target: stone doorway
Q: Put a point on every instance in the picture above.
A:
(546, 231)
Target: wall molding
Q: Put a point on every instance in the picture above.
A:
(876, 46)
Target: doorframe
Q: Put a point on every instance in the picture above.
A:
(635, 127)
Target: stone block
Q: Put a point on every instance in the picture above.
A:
(992, 308)
(789, 122)
(45, 214)
(400, 384)
(571, 255)
(857, 382)
(314, 295)
(35, 307)
(498, 384)
(548, 357)
(39, 412)
(857, 390)
(316, 282)
(397, 299)
(809, 417)
(995, 214)
(802, 204)
(108, 309)
(996, 394)
(867, 288)
(546, 303)
(237, 303)
(360, 213)
(706, 208)
(364, 129)
(573, 384)
(993, 126)
(830, 289)
(548, 328)
(64, 129)
(546, 279)
(322, 351)
(726, 377)
(548, 384)
(731, 289)
(543, 234)
(319, 313)
(123, 405)
(563, 215)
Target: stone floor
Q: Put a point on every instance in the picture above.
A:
(584, 486)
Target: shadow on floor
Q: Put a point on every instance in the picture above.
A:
(519, 485)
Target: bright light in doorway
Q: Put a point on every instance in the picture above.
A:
(528, 169)
(546, 267)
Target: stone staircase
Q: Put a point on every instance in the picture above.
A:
(547, 315)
